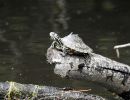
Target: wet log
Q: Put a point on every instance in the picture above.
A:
(17, 91)
(113, 75)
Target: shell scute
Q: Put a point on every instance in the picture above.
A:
(74, 42)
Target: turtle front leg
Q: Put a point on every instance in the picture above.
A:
(64, 51)
(68, 51)
(53, 45)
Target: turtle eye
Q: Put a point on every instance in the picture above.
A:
(55, 36)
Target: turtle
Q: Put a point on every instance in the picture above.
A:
(70, 44)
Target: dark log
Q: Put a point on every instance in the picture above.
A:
(17, 91)
(113, 75)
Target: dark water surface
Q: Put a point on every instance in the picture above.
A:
(24, 36)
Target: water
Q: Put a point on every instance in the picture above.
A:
(24, 36)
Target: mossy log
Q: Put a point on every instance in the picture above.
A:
(17, 91)
(113, 75)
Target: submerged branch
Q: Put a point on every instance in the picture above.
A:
(117, 47)
(122, 46)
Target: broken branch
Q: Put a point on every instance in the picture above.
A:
(117, 47)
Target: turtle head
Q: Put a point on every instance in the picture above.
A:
(54, 36)
(57, 40)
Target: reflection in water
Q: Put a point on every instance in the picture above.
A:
(24, 36)
(59, 17)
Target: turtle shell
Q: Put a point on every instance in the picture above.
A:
(73, 41)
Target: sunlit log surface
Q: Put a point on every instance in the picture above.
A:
(17, 91)
(113, 75)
